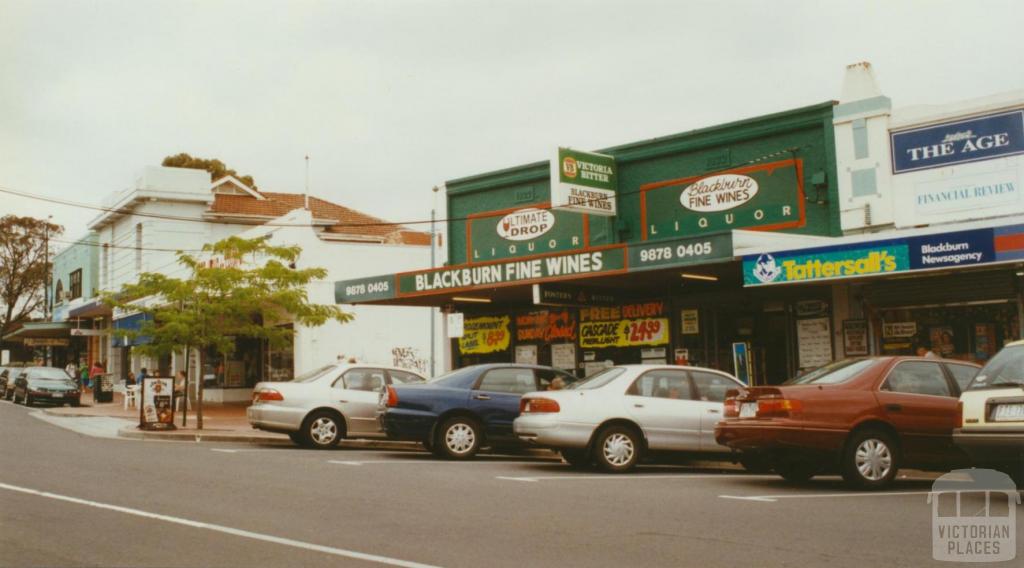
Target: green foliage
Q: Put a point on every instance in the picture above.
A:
(216, 167)
(245, 288)
(23, 267)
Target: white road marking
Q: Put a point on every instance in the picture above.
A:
(222, 529)
(775, 498)
(619, 476)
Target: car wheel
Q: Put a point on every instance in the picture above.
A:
(322, 430)
(795, 471)
(870, 460)
(755, 464)
(579, 459)
(458, 438)
(617, 449)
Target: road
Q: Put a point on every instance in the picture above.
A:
(67, 499)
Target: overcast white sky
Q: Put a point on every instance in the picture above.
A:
(390, 98)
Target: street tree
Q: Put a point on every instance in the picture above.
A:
(216, 167)
(238, 288)
(24, 267)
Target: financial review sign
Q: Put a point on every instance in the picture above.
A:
(960, 141)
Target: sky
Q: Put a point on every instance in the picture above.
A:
(391, 98)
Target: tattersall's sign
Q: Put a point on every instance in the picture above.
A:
(599, 261)
(922, 252)
(584, 181)
(528, 231)
(765, 196)
(970, 140)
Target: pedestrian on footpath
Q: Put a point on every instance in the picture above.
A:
(142, 375)
(98, 368)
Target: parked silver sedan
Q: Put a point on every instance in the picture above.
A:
(321, 407)
(614, 417)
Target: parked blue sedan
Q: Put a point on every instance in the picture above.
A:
(456, 414)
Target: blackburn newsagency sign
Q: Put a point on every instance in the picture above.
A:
(908, 254)
(598, 261)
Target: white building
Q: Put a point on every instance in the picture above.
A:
(171, 209)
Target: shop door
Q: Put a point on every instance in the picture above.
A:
(775, 364)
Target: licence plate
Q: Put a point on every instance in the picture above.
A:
(1009, 412)
(748, 410)
(57, 395)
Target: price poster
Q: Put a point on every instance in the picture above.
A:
(526, 354)
(563, 356)
(487, 334)
(156, 411)
(624, 333)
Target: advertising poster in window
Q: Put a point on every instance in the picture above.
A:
(690, 322)
(156, 411)
(487, 334)
(629, 325)
(855, 337)
(741, 361)
(545, 326)
(526, 354)
(941, 340)
(814, 337)
(563, 356)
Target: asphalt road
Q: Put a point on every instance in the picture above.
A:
(67, 499)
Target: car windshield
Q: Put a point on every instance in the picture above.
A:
(313, 375)
(599, 379)
(49, 374)
(832, 373)
(453, 377)
(1005, 369)
(48, 382)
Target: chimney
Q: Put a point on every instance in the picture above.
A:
(859, 83)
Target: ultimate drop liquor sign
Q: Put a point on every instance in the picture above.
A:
(584, 181)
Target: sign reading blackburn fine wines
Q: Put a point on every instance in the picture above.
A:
(523, 232)
(603, 261)
(584, 181)
(765, 196)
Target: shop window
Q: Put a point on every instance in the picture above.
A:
(662, 384)
(75, 279)
(58, 294)
(510, 380)
(918, 377)
(860, 139)
(239, 369)
(711, 387)
(864, 182)
(370, 380)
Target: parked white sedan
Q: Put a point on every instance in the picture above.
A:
(321, 407)
(613, 417)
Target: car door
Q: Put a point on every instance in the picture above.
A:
(661, 402)
(495, 398)
(918, 399)
(709, 394)
(356, 393)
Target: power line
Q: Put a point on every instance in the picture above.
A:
(124, 211)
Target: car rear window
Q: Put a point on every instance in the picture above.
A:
(599, 379)
(313, 375)
(1006, 368)
(833, 373)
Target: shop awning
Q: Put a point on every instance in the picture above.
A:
(943, 247)
(129, 323)
(90, 309)
(41, 333)
(621, 267)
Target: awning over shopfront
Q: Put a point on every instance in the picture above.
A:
(129, 323)
(41, 334)
(943, 247)
(616, 266)
(92, 308)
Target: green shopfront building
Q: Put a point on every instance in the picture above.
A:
(656, 282)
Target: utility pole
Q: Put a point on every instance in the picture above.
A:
(306, 194)
(46, 279)
(433, 264)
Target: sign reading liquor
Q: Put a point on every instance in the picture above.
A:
(957, 142)
(764, 196)
(523, 232)
(574, 265)
(584, 181)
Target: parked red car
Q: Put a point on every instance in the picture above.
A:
(864, 418)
